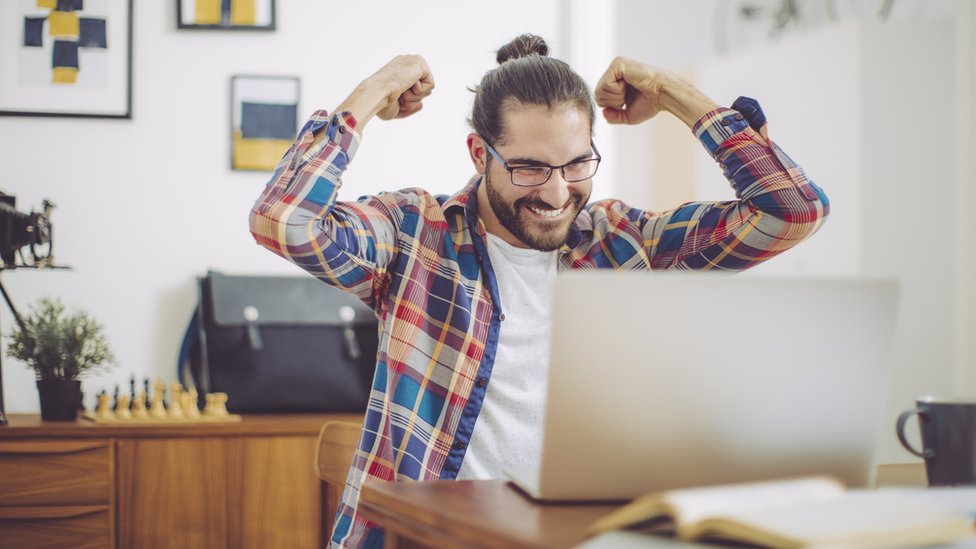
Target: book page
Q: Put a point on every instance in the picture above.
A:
(858, 519)
(688, 506)
(696, 504)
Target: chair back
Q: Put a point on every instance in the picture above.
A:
(333, 456)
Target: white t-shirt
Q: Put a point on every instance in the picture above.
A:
(508, 433)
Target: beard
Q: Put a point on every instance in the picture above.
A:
(539, 235)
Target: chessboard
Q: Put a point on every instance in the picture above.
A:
(181, 409)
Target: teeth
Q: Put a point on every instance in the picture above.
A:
(548, 213)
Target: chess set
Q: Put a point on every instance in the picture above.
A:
(150, 407)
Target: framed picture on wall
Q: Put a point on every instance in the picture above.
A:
(226, 14)
(66, 58)
(264, 120)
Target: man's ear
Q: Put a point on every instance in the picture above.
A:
(478, 152)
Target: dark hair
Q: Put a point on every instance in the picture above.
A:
(527, 75)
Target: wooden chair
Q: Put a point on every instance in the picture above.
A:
(333, 456)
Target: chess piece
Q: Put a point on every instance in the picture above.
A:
(192, 407)
(132, 391)
(175, 404)
(156, 408)
(216, 405)
(115, 399)
(208, 408)
(220, 405)
(122, 408)
(160, 388)
(139, 406)
(104, 409)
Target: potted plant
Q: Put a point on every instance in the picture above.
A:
(61, 348)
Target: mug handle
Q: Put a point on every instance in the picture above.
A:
(902, 419)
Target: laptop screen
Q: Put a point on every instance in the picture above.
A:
(661, 381)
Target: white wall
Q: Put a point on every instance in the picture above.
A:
(144, 206)
(965, 379)
(909, 182)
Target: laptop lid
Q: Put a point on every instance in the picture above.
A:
(661, 381)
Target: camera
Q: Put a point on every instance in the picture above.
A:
(30, 230)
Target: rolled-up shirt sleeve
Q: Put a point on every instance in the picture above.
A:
(776, 205)
(297, 216)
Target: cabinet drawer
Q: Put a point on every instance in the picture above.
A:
(55, 472)
(49, 527)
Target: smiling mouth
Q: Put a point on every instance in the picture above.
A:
(548, 212)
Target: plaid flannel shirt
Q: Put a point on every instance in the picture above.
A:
(420, 262)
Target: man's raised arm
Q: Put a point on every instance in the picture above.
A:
(777, 206)
(347, 244)
(631, 92)
(397, 90)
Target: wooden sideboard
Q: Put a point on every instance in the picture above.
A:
(76, 484)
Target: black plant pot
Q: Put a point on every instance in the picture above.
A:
(60, 399)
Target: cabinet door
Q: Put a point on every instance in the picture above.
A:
(279, 503)
(214, 493)
(174, 493)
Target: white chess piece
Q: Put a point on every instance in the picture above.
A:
(176, 401)
(139, 406)
(122, 408)
(104, 409)
(190, 404)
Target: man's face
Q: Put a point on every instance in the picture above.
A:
(534, 217)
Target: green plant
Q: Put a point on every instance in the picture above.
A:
(59, 346)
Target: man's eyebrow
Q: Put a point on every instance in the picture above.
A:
(522, 162)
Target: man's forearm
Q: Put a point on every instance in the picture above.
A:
(397, 90)
(363, 103)
(683, 100)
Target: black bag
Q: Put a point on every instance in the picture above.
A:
(280, 344)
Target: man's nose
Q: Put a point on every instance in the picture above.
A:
(555, 191)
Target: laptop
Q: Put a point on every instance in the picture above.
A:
(662, 381)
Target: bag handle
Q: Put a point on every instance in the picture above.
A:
(193, 365)
(203, 383)
(188, 348)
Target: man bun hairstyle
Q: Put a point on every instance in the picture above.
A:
(526, 74)
(522, 46)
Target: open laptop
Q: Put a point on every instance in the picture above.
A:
(660, 381)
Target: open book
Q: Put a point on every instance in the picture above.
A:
(808, 512)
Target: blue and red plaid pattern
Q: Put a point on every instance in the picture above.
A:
(420, 262)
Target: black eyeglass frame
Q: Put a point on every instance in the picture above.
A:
(511, 170)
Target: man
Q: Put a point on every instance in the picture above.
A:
(461, 284)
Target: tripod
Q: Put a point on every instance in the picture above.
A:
(20, 322)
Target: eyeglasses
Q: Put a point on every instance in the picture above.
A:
(533, 176)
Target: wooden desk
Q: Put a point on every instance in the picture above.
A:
(489, 514)
(77, 484)
(494, 514)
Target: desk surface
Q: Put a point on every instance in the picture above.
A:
(494, 514)
(476, 514)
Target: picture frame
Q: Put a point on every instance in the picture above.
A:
(264, 120)
(66, 58)
(257, 15)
